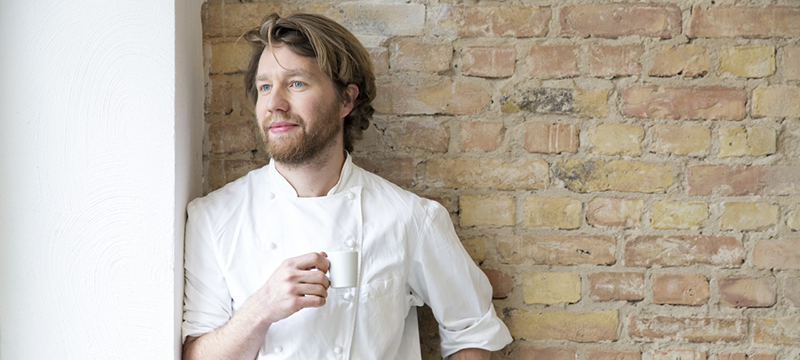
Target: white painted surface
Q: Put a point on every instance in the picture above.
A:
(99, 153)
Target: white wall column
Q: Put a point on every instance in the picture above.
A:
(100, 130)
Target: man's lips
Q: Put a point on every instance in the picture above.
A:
(281, 127)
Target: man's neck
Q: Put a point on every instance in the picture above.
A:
(316, 177)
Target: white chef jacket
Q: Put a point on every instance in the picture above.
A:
(408, 254)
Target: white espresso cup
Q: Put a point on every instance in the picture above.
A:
(343, 271)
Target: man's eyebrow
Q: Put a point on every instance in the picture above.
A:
(290, 73)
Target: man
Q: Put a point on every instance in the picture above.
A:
(256, 284)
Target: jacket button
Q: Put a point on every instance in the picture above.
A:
(347, 296)
(350, 196)
(272, 246)
(278, 349)
(337, 350)
(270, 196)
(350, 243)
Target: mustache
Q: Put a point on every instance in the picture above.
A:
(292, 119)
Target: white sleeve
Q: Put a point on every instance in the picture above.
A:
(206, 301)
(457, 291)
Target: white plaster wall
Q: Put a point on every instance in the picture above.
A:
(100, 113)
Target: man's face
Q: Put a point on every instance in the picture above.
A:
(298, 110)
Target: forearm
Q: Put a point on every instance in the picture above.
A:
(471, 354)
(240, 338)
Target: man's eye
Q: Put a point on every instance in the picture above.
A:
(266, 87)
(296, 84)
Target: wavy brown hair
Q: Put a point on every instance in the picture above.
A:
(339, 55)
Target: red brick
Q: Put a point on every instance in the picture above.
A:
(747, 291)
(502, 283)
(791, 67)
(419, 133)
(711, 103)
(609, 286)
(413, 55)
(481, 135)
(684, 250)
(542, 137)
(569, 249)
(621, 19)
(791, 291)
(400, 171)
(691, 329)
(688, 60)
(553, 61)
(430, 95)
(496, 174)
(777, 254)
(593, 354)
(725, 180)
(489, 61)
(678, 354)
(483, 21)
(380, 59)
(615, 212)
(235, 136)
(680, 289)
(613, 60)
(745, 21)
(549, 353)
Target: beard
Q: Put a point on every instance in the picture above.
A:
(302, 145)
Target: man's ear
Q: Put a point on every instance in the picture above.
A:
(350, 95)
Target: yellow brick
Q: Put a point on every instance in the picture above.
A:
(678, 215)
(591, 103)
(777, 331)
(617, 139)
(496, 174)
(680, 140)
(545, 324)
(614, 175)
(741, 141)
(487, 210)
(690, 60)
(776, 101)
(748, 216)
(551, 288)
(562, 213)
(229, 57)
(748, 61)
(234, 19)
(794, 219)
(476, 248)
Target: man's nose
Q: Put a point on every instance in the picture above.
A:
(277, 101)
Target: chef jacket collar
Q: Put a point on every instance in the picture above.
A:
(282, 186)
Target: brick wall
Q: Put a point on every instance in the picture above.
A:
(625, 173)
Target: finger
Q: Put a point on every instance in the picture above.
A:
(311, 289)
(310, 261)
(311, 277)
(310, 301)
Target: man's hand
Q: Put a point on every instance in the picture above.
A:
(298, 283)
(471, 354)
